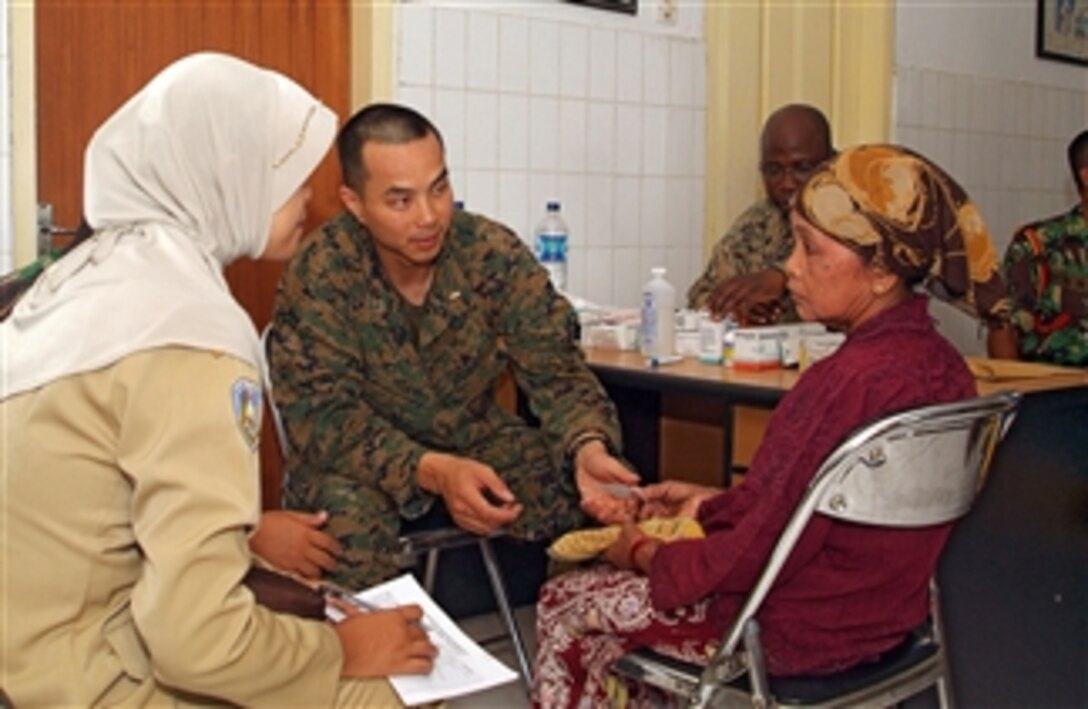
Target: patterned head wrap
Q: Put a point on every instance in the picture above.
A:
(900, 210)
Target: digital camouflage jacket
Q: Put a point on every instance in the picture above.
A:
(364, 393)
(759, 238)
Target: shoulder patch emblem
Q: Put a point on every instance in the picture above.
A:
(246, 401)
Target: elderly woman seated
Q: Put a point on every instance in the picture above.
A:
(870, 225)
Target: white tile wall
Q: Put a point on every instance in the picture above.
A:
(449, 47)
(481, 128)
(544, 133)
(449, 113)
(415, 45)
(514, 45)
(604, 113)
(513, 132)
(1003, 140)
(602, 64)
(573, 60)
(513, 204)
(652, 214)
(629, 57)
(7, 249)
(543, 70)
(483, 46)
(572, 135)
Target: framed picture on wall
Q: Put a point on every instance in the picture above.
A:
(628, 6)
(1061, 31)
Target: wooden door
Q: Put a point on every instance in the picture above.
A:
(91, 56)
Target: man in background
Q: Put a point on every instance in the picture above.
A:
(744, 276)
(1046, 266)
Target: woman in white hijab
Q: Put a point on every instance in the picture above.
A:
(130, 412)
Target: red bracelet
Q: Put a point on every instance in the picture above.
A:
(635, 546)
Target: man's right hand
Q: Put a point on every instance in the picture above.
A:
(293, 541)
(752, 297)
(477, 499)
(383, 643)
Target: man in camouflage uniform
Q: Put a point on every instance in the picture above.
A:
(744, 275)
(1046, 266)
(390, 331)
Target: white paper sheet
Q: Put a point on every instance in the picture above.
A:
(462, 666)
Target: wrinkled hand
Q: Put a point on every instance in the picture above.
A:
(618, 552)
(595, 467)
(674, 498)
(477, 499)
(383, 643)
(293, 542)
(752, 297)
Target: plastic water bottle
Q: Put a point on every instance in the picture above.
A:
(551, 245)
(658, 313)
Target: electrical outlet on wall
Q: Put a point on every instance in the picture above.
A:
(666, 11)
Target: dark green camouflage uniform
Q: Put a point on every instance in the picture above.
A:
(366, 386)
(13, 285)
(759, 238)
(1046, 267)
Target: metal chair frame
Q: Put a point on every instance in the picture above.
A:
(429, 544)
(916, 468)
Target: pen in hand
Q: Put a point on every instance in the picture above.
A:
(629, 493)
(346, 597)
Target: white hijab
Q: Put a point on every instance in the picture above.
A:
(180, 181)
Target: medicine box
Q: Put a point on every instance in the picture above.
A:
(756, 348)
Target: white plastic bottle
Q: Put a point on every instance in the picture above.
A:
(658, 317)
(551, 245)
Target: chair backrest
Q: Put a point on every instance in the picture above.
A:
(915, 468)
(266, 382)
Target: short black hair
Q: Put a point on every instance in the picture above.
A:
(382, 123)
(1078, 157)
(800, 113)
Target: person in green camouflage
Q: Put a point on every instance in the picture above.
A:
(17, 282)
(1046, 266)
(390, 331)
(744, 275)
(14, 284)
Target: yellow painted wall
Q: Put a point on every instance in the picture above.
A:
(834, 54)
(24, 169)
(372, 40)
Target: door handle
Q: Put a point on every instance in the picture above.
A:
(47, 230)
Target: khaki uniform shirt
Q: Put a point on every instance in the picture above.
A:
(128, 496)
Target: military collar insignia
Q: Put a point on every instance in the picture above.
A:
(246, 402)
